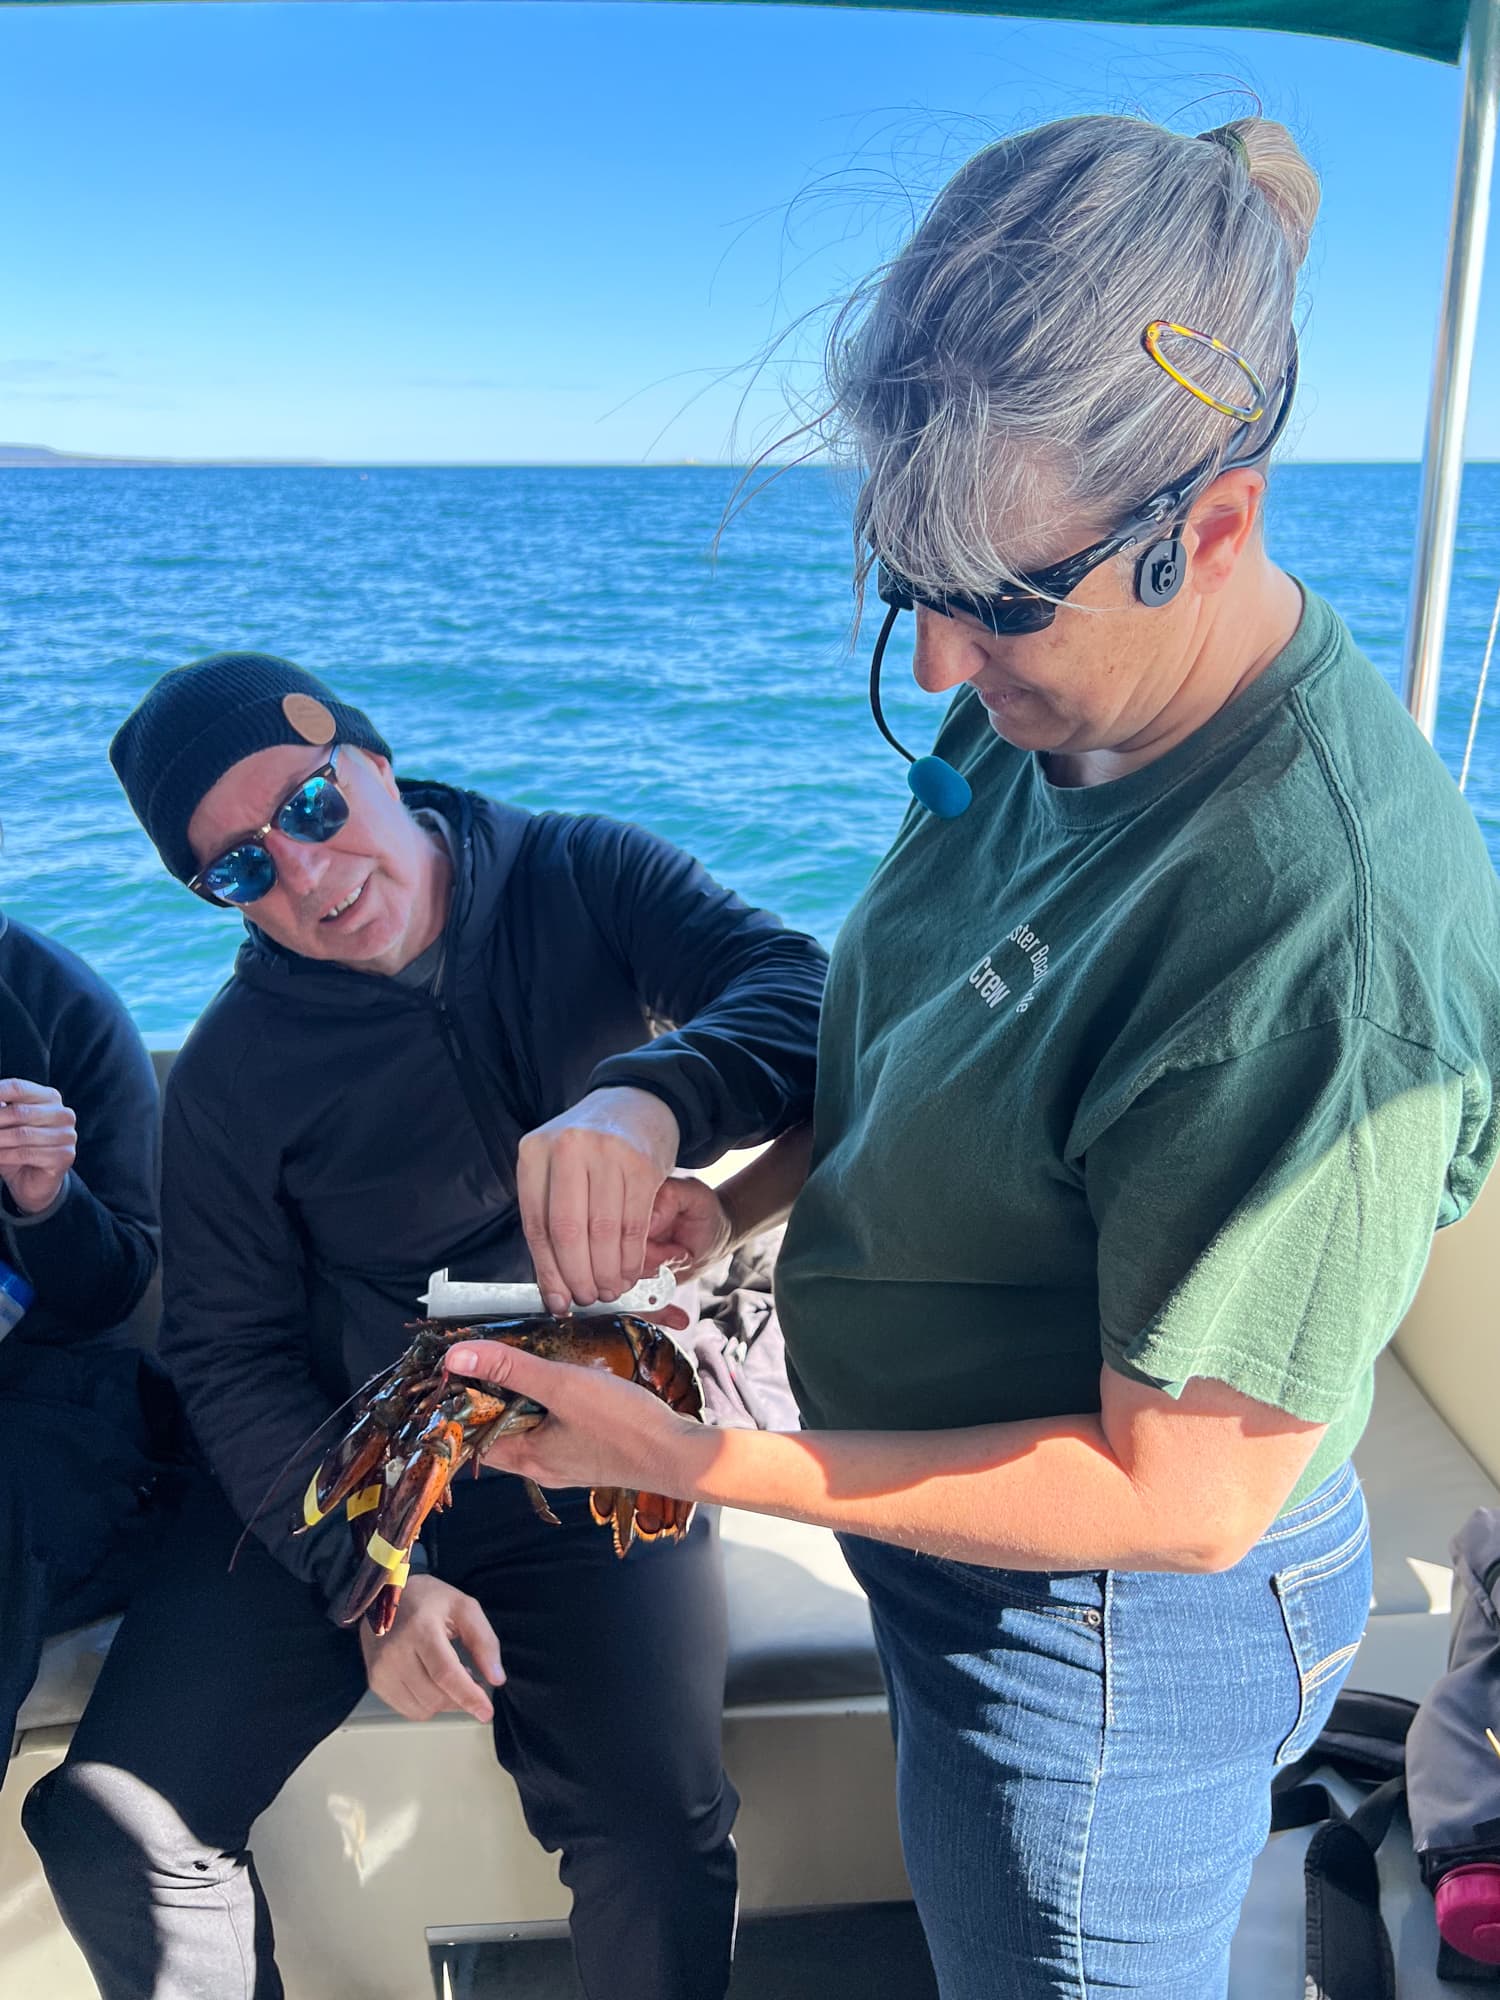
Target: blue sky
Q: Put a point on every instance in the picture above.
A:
(561, 231)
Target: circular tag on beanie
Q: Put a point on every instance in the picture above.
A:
(307, 715)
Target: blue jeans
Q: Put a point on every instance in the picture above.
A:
(1084, 1758)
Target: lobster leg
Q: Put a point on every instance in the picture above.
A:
(540, 1504)
(513, 1417)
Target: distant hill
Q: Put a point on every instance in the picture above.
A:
(32, 455)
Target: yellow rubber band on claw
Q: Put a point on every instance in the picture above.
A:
(364, 1501)
(379, 1550)
(312, 1513)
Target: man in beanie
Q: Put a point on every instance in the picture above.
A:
(435, 1050)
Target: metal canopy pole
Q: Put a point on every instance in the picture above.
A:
(1443, 465)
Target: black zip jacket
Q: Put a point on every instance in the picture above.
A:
(91, 1255)
(333, 1137)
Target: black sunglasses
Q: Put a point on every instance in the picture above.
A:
(244, 873)
(1029, 606)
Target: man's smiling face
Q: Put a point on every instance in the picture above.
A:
(355, 898)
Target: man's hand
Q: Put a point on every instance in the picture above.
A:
(586, 1182)
(690, 1227)
(38, 1143)
(417, 1669)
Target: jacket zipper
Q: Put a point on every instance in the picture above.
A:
(458, 1048)
(468, 1082)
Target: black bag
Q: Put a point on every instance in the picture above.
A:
(1348, 1947)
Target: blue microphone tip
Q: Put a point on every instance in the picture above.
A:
(940, 788)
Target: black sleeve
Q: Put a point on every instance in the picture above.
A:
(91, 1254)
(741, 991)
(234, 1333)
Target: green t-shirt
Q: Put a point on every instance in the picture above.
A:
(1178, 1072)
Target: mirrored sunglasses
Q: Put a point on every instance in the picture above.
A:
(313, 813)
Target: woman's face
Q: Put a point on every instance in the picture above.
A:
(1108, 669)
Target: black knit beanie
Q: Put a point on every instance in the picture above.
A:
(199, 720)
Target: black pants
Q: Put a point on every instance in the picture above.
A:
(220, 1684)
(77, 1505)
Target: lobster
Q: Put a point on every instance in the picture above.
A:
(416, 1426)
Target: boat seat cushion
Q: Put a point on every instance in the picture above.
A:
(1421, 1486)
(799, 1628)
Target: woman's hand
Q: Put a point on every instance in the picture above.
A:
(586, 1182)
(599, 1431)
(690, 1227)
(38, 1143)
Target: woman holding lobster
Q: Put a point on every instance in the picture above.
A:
(1150, 1060)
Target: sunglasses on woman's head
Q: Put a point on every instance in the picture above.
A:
(313, 813)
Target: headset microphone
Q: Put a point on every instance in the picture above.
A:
(934, 784)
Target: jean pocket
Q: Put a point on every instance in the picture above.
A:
(1325, 1603)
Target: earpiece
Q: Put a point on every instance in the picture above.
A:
(1160, 571)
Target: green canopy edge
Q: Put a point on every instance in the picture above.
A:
(1433, 28)
(1413, 27)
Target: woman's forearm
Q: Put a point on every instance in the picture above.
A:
(1040, 1495)
(761, 1194)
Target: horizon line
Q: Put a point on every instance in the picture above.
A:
(56, 461)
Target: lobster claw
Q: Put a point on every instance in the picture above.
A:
(417, 1426)
(385, 1561)
(380, 1612)
(342, 1474)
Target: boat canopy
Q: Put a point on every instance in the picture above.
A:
(1432, 28)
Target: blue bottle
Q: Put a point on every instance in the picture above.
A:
(16, 1298)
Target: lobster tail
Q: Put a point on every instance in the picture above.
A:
(646, 1517)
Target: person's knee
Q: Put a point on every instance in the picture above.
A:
(70, 1827)
(680, 1832)
(93, 1823)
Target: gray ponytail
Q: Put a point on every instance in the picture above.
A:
(992, 379)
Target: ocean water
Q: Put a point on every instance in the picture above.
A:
(560, 637)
